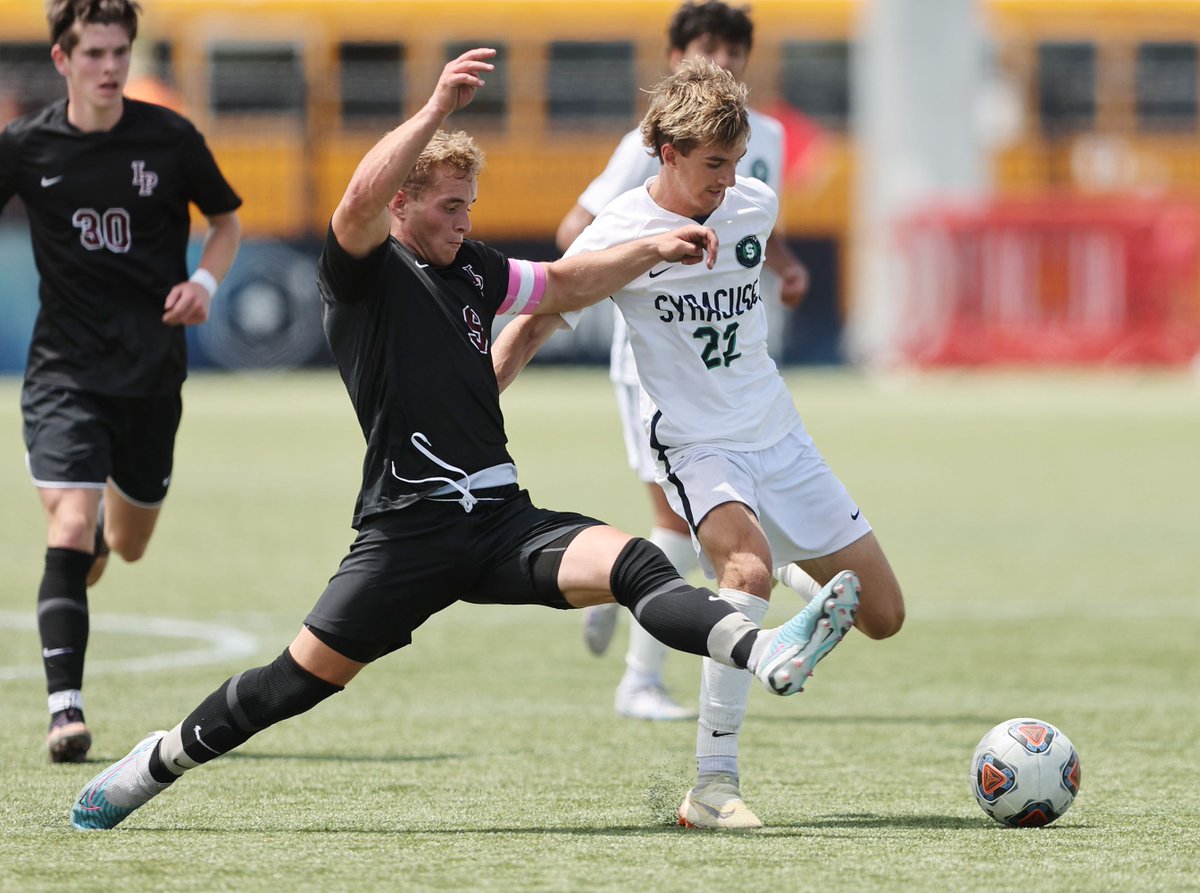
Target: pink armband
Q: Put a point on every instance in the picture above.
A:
(526, 285)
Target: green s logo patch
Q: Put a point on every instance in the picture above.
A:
(749, 252)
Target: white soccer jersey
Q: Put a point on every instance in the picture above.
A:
(699, 336)
(631, 165)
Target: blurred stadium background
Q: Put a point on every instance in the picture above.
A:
(969, 182)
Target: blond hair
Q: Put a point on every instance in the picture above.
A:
(455, 150)
(701, 104)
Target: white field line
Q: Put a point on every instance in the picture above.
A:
(220, 643)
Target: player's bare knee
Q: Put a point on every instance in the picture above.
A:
(72, 530)
(130, 548)
(749, 575)
(880, 621)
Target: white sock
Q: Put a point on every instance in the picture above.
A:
(724, 692)
(677, 547)
(64, 700)
(646, 656)
(791, 576)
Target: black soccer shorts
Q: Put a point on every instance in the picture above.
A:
(407, 565)
(80, 439)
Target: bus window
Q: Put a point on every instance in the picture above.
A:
(256, 79)
(161, 59)
(590, 83)
(1166, 86)
(815, 78)
(490, 105)
(372, 83)
(1066, 87)
(28, 79)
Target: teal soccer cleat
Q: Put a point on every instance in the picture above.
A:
(109, 798)
(787, 658)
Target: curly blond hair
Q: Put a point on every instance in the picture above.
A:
(701, 104)
(453, 149)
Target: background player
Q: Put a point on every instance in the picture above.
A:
(409, 304)
(723, 34)
(731, 452)
(107, 182)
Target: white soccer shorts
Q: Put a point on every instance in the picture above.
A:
(637, 441)
(805, 511)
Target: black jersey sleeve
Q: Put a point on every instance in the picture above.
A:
(494, 265)
(343, 279)
(207, 186)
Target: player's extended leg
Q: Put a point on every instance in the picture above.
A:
(740, 554)
(128, 524)
(641, 693)
(122, 525)
(63, 615)
(881, 603)
(306, 673)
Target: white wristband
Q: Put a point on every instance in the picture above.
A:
(205, 279)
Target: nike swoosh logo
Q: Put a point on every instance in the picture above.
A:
(654, 274)
(48, 653)
(200, 741)
(50, 181)
(715, 598)
(857, 512)
(421, 265)
(723, 734)
(714, 812)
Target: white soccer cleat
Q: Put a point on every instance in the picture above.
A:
(649, 702)
(110, 797)
(786, 659)
(599, 624)
(717, 804)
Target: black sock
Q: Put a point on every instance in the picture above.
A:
(63, 617)
(677, 614)
(240, 708)
(158, 770)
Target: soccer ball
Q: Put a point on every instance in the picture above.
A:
(1025, 773)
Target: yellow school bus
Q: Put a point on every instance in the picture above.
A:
(1098, 96)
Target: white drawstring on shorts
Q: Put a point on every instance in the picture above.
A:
(467, 499)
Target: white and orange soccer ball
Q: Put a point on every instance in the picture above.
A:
(1025, 773)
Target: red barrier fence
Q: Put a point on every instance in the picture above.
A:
(1052, 280)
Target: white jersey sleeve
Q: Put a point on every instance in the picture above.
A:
(631, 165)
(699, 336)
(764, 152)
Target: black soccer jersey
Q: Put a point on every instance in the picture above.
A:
(412, 343)
(108, 213)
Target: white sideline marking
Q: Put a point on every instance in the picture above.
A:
(222, 643)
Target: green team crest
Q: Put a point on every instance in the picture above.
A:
(749, 251)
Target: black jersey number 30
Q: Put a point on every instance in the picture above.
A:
(712, 344)
(109, 230)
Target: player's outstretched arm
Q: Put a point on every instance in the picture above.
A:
(517, 342)
(581, 280)
(361, 220)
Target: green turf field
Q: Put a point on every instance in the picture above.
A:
(1045, 530)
